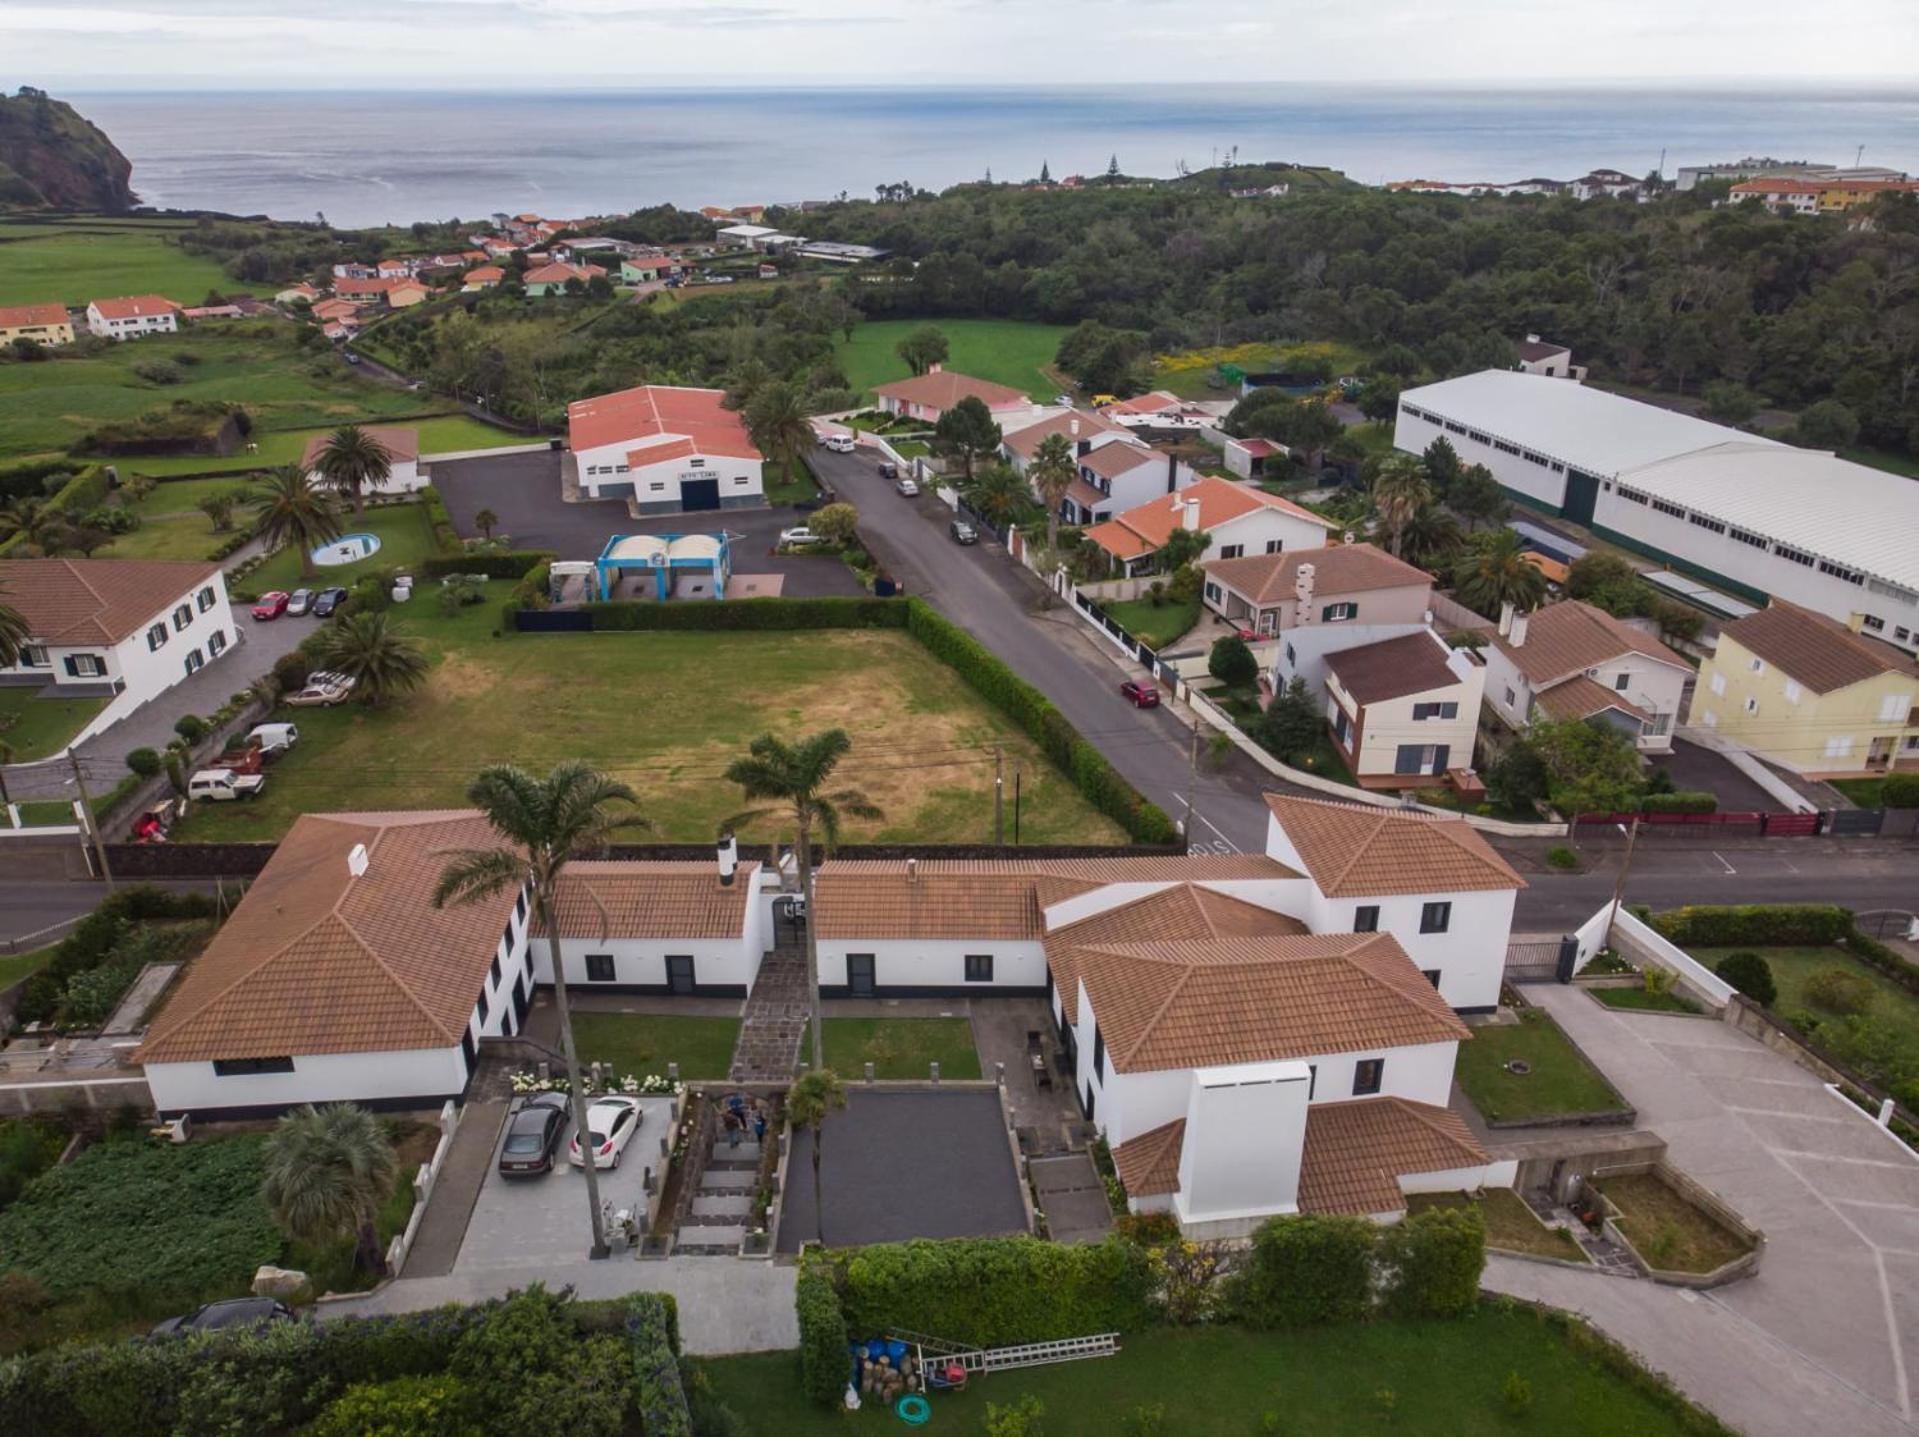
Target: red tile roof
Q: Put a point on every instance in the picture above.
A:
(95, 601)
(1570, 637)
(134, 306)
(656, 414)
(1149, 1164)
(1074, 424)
(26, 315)
(1393, 668)
(1821, 653)
(1337, 569)
(944, 388)
(561, 273)
(1356, 1152)
(652, 900)
(1143, 528)
(1353, 850)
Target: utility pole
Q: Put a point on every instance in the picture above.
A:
(1018, 773)
(1619, 883)
(1192, 787)
(93, 826)
(999, 794)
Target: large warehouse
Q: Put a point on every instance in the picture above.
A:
(668, 449)
(1744, 513)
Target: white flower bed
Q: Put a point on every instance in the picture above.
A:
(650, 1085)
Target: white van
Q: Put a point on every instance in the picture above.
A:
(220, 784)
(274, 739)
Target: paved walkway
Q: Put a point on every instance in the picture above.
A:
(1824, 1337)
(768, 1048)
(450, 1209)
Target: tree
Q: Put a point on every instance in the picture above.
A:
(293, 512)
(1308, 428)
(1183, 547)
(1477, 498)
(1400, 490)
(998, 495)
(1517, 780)
(968, 431)
(1112, 168)
(1431, 538)
(1590, 767)
(1379, 400)
(1827, 425)
(1751, 974)
(776, 418)
(1053, 470)
(814, 1096)
(1730, 402)
(1442, 465)
(794, 776)
(13, 633)
(351, 461)
(219, 509)
(1494, 571)
(1045, 173)
(545, 824)
(326, 1173)
(1291, 724)
(923, 348)
(1102, 360)
(383, 663)
(1232, 663)
(836, 523)
(486, 521)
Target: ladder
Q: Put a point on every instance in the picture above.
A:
(1005, 1359)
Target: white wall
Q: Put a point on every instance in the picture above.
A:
(1302, 650)
(738, 477)
(1244, 1143)
(1542, 482)
(1254, 531)
(641, 962)
(1388, 723)
(138, 327)
(936, 963)
(321, 1078)
(1651, 685)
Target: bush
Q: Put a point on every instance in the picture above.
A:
(290, 672)
(1760, 925)
(28, 1147)
(435, 1406)
(1900, 790)
(190, 727)
(1232, 663)
(531, 1371)
(95, 937)
(1016, 1419)
(652, 1333)
(1685, 801)
(508, 564)
(838, 524)
(1839, 990)
(159, 371)
(824, 1365)
(1561, 856)
(1307, 1270)
(1517, 1393)
(1432, 1262)
(1751, 975)
(624, 614)
(144, 761)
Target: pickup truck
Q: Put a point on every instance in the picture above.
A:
(221, 784)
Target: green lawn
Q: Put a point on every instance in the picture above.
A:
(1865, 792)
(440, 434)
(1890, 460)
(17, 966)
(74, 262)
(667, 712)
(1561, 1082)
(778, 492)
(1639, 1000)
(640, 1043)
(1510, 1225)
(1155, 625)
(1443, 1378)
(405, 540)
(1003, 350)
(37, 728)
(1668, 1231)
(898, 1048)
(1892, 1005)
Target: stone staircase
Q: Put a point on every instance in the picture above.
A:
(768, 1050)
(721, 1211)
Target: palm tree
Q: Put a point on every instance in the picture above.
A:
(776, 418)
(352, 460)
(327, 1172)
(1494, 571)
(293, 512)
(1053, 471)
(13, 632)
(1400, 490)
(382, 663)
(812, 1097)
(547, 822)
(795, 774)
(997, 494)
(1432, 537)
(485, 521)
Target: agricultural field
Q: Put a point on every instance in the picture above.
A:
(1002, 350)
(72, 262)
(439, 434)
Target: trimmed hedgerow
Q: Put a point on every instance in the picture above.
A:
(1431, 1261)
(1758, 925)
(652, 1333)
(505, 564)
(1684, 801)
(823, 1360)
(1305, 1271)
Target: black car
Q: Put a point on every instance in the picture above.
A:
(326, 601)
(889, 470)
(963, 532)
(233, 1312)
(533, 1135)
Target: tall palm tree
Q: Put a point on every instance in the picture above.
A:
(997, 494)
(795, 775)
(293, 512)
(813, 1096)
(352, 460)
(13, 632)
(1494, 571)
(1432, 537)
(776, 418)
(486, 521)
(382, 662)
(545, 822)
(327, 1172)
(1053, 471)
(1400, 490)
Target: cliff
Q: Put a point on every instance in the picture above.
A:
(53, 157)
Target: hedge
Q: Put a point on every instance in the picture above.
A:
(94, 938)
(503, 564)
(823, 1342)
(652, 1330)
(26, 479)
(1755, 925)
(1431, 1263)
(1900, 790)
(1684, 801)
(445, 537)
(86, 490)
(1305, 1271)
(835, 613)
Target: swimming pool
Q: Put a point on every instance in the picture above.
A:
(347, 549)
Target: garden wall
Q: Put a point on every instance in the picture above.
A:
(1637, 942)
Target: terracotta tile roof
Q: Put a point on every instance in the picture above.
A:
(561, 273)
(485, 274)
(1085, 495)
(335, 309)
(659, 413)
(652, 900)
(26, 315)
(134, 306)
(1357, 1151)
(1152, 402)
(1353, 850)
(1145, 527)
(1570, 637)
(400, 444)
(1149, 1163)
(346, 285)
(1821, 653)
(1338, 569)
(95, 601)
(1212, 1002)
(1580, 697)
(316, 960)
(1114, 459)
(1393, 668)
(944, 388)
(1025, 442)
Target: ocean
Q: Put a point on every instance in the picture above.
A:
(364, 158)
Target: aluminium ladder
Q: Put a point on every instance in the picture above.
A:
(1005, 1359)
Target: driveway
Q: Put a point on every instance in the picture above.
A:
(1823, 1338)
(1695, 768)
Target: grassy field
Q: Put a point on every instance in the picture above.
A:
(898, 1048)
(36, 727)
(1002, 350)
(1865, 792)
(14, 967)
(1560, 1080)
(75, 262)
(1436, 1377)
(666, 712)
(441, 433)
(1793, 967)
(1511, 1226)
(405, 539)
(1155, 625)
(640, 1043)
(1669, 1232)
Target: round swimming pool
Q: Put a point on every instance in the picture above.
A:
(347, 549)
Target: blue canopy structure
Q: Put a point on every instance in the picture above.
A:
(664, 555)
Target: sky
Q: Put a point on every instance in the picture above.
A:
(535, 44)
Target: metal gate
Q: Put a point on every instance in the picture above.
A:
(1541, 960)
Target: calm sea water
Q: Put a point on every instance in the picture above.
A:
(365, 158)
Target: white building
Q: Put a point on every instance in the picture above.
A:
(1746, 514)
(668, 449)
(661, 928)
(1238, 519)
(134, 317)
(928, 396)
(129, 628)
(1114, 478)
(1554, 361)
(402, 448)
(1572, 661)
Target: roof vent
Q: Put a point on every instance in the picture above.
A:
(356, 860)
(912, 870)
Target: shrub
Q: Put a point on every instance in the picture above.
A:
(1900, 790)
(144, 761)
(433, 1406)
(531, 1371)
(1751, 975)
(1761, 925)
(1232, 663)
(838, 524)
(28, 1147)
(1561, 856)
(1432, 1262)
(507, 564)
(1016, 1419)
(1307, 1270)
(653, 1336)
(1518, 1394)
(824, 1366)
(94, 939)
(190, 727)
(1148, 1229)
(1839, 990)
(159, 371)
(290, 671)
(833, 613)
(1684, 801)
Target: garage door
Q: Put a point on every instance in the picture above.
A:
(699, 494)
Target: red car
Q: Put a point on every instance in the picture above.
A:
(271, 606)
(1140, 693)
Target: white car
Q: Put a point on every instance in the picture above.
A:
(610, 1125)
(274, 739)
(318, 695)
(1065, 399)
(798, 536)
(910, 488)
(223, 784)
(841, 443)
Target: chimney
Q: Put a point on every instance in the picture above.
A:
(1072, 426)
(1505, 620)
(1189, 512)
(1172, 474)
(1856, 622)
(1532, 339)
(356, 860)
(728, 854)
(935, 367)
(1518, 636)
(912, 870)
(1303, 593)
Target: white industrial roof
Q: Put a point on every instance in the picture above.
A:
(1587, 428)
(748, 231)
(1864, 518)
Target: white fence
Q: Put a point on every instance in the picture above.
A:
(423, 1182)
(452, 454)
(1640, 941)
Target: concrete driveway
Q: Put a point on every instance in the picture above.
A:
(1823, 1339)
(1700, 769)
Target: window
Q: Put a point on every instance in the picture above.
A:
(216, 643)
(1452, 428)
(482, 1010)
(696, 463)
(1431, 975)
(1873, 622)
(1703, 522)
(1840, 571)
(1273, 546)
(1435, 917)
(247, 1067)
(1292, 658)
(33, 656)
(1099, 1053)
(519, 907)
(1231, 551)
(1633, 496)
(1312, 1080)
(1505, 446)
(656, 486)
(1839, 747)
(1752, 706)
(1621, 681)
(1797, 556)
(1892, 708)
(1718, 682)
(599, 967)
(1212, 592)
(1422, 712)
(979, 967)
(1666, 506)
(1511, 697)
(195, 662)
(1757, 665)
(1477, 437)
(85, 666)
(156, 638)
(739, 479)
(1366, 918)
(1793, 691)
(493, 974)
(1338, 613)
(182, 616)
(1746, 536)
(1368, 1073)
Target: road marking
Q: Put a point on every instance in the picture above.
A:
(1222, 843)
(1722, 859)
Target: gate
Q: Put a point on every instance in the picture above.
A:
(1855, 822)
(1886, 923)
(1541, 960)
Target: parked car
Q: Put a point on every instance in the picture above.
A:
(533, 1136)
(963, 532)
(273, 739)
(351, 357)
(299, 601)
(1065, 399)
(323, 690)
(326, 601)
(221, 784)
(799, 536)
(889, 470)
(909, 487)
(230, 1312)
(1141, 693)
(841, 443)
(610, 1125)
(271, 604)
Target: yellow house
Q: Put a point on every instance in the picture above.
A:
(47, 323)
(1813, 695)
